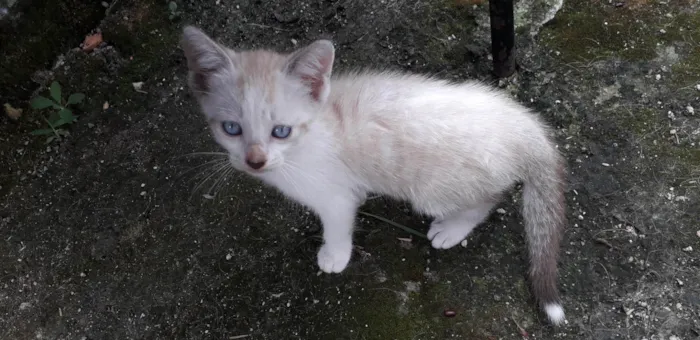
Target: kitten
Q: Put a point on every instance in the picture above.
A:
(450, 149)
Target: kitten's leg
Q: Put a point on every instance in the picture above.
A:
(451, 230)
(337, 216)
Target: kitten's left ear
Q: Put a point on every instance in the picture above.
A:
(204, 58)
(313, 64)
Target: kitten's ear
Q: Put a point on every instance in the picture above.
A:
(313, 64)
(204, 57)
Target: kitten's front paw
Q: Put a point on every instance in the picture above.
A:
(447, 234)
(333, 258)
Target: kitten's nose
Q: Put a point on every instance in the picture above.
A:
(255, 157)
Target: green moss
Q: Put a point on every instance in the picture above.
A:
(649, 129)
(639, 122)
(588, 30)
(686, 72)
(689, 157)
(384, 314)
(377, 317)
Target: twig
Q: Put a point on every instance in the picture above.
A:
(402, 227)
(605, 242)
(522, 331)
(266, 26)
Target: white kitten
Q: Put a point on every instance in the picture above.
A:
(450, 149)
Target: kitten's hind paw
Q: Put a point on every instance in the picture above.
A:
(447, 234)
(333, 258)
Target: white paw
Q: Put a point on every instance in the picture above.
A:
(447, 234)
(333, 258)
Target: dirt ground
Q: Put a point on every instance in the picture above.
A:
(120, 232)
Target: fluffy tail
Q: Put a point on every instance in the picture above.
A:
(544, 212)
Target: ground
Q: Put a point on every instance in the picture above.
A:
(116, 233)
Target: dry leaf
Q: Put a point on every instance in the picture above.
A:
(138, 86)
(92, 41)
(12, 112)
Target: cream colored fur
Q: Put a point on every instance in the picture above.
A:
(450, 149)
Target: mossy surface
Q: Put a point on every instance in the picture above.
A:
(591, 30)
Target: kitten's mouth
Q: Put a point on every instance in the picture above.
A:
(259, 171)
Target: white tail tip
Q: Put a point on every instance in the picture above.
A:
(555, 312)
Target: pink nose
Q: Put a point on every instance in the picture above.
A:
(255, 157)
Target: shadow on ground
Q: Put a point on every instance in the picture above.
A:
(117, 233)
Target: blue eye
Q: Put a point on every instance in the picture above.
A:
(232, 128)
(281, 131)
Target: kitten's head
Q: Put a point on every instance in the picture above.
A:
(258, 103)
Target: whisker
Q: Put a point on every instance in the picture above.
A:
(213, 173)
(204, 153)
(209, 163)
(289, 178)
(219, 180)
(307, 175)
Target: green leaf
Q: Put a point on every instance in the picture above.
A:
(61, 122)
(53, 116)
(50, 139)
(173, 6)
(56, 91)
(67, 115)
(40, 102)
(41, 132)
(75, 98)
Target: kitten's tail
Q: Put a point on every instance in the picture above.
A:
(544, 212)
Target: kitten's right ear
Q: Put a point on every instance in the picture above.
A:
(204, 57)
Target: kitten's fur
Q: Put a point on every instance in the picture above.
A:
(450, 149)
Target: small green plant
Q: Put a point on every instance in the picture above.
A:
(174, 13)
(61, 115)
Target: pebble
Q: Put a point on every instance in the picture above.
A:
(658, 77)
(690, 109)
(688, 249)
(464, 243)
(697, 87)
(449, 313)
(501, 211)
(228, 257)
